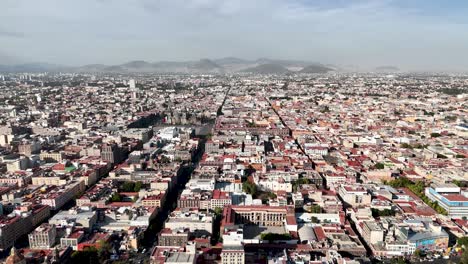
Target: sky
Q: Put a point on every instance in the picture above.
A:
(410, 34)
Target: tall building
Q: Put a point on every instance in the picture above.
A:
(111, 153)
(372, 232)
(43, 237)
(132, 84)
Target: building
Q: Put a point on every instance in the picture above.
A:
(20, 222)
(168, 237)
(233, 254)
(132, 84)
(197, 222)
(58, 180)
(142, 134)
(84, 219)
(431, 238)
(19, 164)
(43, 237)
(72, 239)
(29, 148)
(298, 200)
(181, 258)
(260, 215)
(449, 197)
(59, 197)
(220, 199)
(372, 232)
(52, 156)
(355, 196)
(154, 200)
(212, 146)
(111, 153)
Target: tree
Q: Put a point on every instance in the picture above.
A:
(399, 260)
(406, 145)
(459, 183)
(128, 186)
(249, 171)
(316, 209)
(249, 188)
(380, 213)
(116, 197)
(418, 253)
(88, 255)
(379, 166)
(103, 249)
(418, 189)
(464, 257)
(218, 211)
(434, 135)
(462, 242)
(138, 186)
(299, 182)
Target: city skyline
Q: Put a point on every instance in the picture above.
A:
(419, 35)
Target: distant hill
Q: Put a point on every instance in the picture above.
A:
(205, 64)
(267, 69)
(387, 69)
(29, 67)
(136, 64)
(284, 63)
(215, 66)
(315, 69)
(231, 60)
(91, 68)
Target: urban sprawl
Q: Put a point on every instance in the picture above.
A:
(143, 168)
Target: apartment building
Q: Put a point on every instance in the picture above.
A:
(43, 237)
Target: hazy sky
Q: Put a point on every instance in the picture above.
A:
(412, 34)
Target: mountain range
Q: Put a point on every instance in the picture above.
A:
(387, 69)
(223, 65)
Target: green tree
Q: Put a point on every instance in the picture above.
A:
(380, 213)
(249, 188)
(299, 182)
(464, 257)
(406, 145)
(103, 249)
(462, 242)
(380, 166)
(316, 209)
(88, 255)
(128, 186)
(138, 186)
(418, 253)
(418, 189)
(116, 197)
(399, 260)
